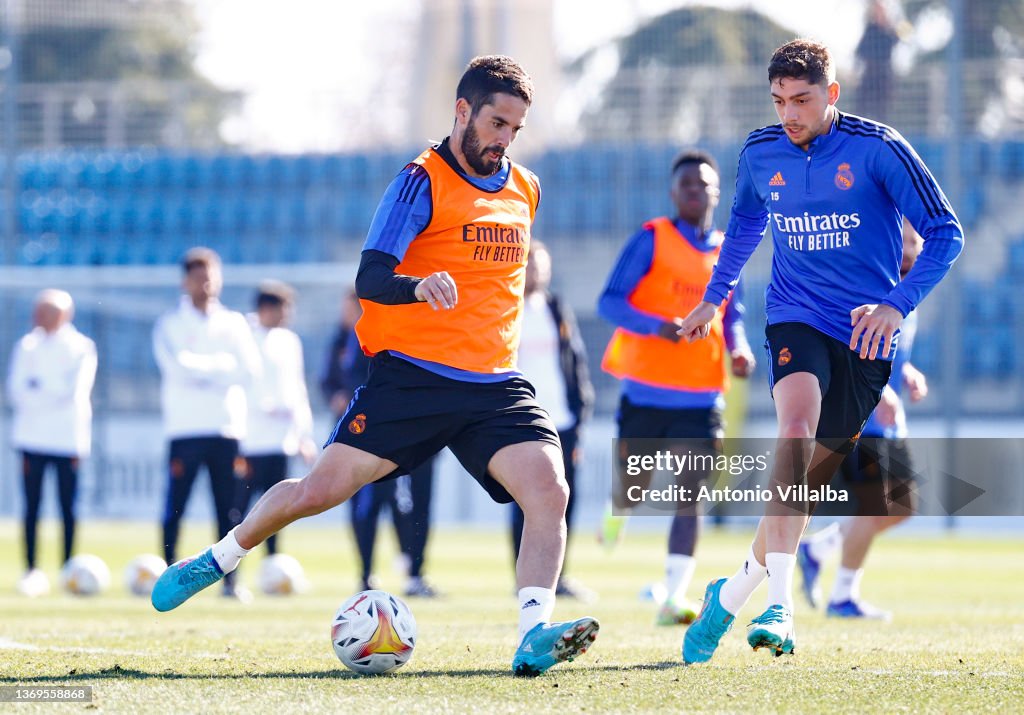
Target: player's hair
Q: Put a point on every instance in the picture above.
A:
(274, 293)
(200, 256)
(693, 156)
(488, 75)
(802, 59)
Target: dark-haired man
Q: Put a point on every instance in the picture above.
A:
(441, 285)
(207, 359)
(835, 188)
(670, 388)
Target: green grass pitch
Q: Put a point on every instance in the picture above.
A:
(956, 644)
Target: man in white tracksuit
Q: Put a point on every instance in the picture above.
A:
(207, 359)
(51, 376)
(280, 419)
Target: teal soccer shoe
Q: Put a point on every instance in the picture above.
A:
(714, 621)
(773, 629)
(184, 579)
(547, 644)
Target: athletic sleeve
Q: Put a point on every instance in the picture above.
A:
(747, 223)
(377, 281)
(732, 321)
(633, 264)
(918, 197)
(402, 214)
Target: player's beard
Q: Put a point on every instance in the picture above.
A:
(477, 157)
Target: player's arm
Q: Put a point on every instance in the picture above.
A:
(177, 361)
(633, 264)
(740, 354)
(747, 223)
(918, 197)
(402, 214)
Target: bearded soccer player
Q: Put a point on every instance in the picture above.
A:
(441, 284)
(836, 188)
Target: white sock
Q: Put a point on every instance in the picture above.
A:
(736, 591)
(679, 570)
(847, 585)
(823, 543)
(536, 605)
(227, 553)
(780, 578)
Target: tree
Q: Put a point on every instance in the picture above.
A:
(121, 73)
(686, 75)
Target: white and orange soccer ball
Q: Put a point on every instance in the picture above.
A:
(85, 575)
(142, 572)
(282, 575)
(373, 633)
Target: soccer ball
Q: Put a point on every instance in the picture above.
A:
(142, 572)
(373, 632)
(282, 575)
(85, 575)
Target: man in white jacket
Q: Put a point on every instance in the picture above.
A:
(280, 419)
(52, 372)
(207, 359)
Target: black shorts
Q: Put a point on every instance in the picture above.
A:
(881, 476)
(638, 421)
(850, 386)
(406, 414)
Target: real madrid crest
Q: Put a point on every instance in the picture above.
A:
(844, 177)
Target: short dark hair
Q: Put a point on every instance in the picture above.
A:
(694, 156)
(488, 75)
(802, 59)
(274, 293)
(200, 256)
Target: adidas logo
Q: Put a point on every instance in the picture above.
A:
(777, 180)
(527, 648)
(530, 604)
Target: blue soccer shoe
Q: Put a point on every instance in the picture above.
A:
(184, 579)
(774, 630)
(547, 644)
(714, 621)
(856, 609)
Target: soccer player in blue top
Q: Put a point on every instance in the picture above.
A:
(879, 473)
(835, 189)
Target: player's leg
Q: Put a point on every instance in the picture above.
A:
(706, 425)
(222, 464)
(421, 491)
(33, 467)
(366, 505)
(531, 472)
(67, 487)
(885, 496)
(567, 586)
(338, 473)
(799, 373)
(184, 460)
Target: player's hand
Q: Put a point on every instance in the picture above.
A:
(743, 362)
(438, 289)
(668, 330)
(874, 326)
(888, 407)
(915, 382)
(697, 324)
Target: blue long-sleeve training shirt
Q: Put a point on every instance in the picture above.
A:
(633, 264)
(836, 217)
